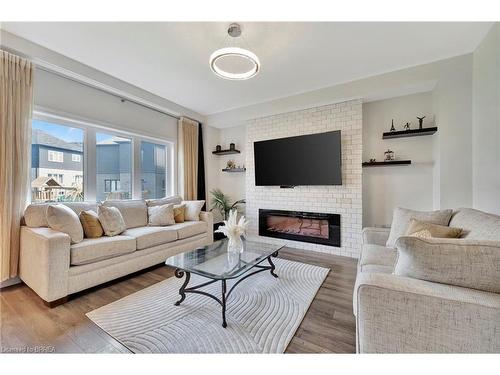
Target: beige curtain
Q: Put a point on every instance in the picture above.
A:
(16, 107)
(187, 147)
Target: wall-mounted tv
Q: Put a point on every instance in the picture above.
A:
(313, 159)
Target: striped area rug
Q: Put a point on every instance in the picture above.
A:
(263, 314)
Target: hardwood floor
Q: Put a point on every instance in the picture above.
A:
(328, 327)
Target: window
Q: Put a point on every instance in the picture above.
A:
(153, 170)
(49, 182)
(117, 165)
(55, 156)
(114, 165)
(111, 186)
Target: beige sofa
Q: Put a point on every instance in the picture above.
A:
(54, 268)
(436, 309)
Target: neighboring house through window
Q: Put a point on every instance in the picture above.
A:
(76, 157)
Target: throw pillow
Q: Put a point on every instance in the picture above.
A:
(111, 220)
(462, 262)
(193, 209)
(64, 219)
(161, 215)
(179, 210)
(424, 229)
(402, 216)
(91, 224)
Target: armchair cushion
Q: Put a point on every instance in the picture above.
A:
(467, 263)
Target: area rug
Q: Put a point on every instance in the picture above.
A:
(263, 314)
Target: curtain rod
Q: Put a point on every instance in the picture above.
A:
(123, 100)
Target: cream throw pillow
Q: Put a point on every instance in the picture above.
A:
(64, 219)
(423, 229)
(401, 221)
(161, 215)
(193, 209)
(111, 220)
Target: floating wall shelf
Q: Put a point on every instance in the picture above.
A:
(234, 170)
(410, 133)
(386, 163)
(226, 152)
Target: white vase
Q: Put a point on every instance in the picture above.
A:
(235, 244)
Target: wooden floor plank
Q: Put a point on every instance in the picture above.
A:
(328, 327)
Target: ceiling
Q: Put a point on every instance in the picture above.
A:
(170, 59)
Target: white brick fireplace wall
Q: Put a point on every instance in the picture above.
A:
(344, 200)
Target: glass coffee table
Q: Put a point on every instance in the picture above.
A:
(216, 263)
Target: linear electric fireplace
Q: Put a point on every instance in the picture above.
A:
(319, 228)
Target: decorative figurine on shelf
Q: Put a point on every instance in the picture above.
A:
(218, 148)
(230, 164)
(232, 146)
(389, 155)
(393, 129)
(373, 160)
(407, 126)
(420, 122)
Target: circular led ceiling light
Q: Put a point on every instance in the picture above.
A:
(234, 63)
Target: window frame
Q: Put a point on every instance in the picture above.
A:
(89, 157)
(77, 158)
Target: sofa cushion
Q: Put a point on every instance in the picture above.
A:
(134, 212)
(376, 268)
(379, 256)
(189, 228)
(477, 225)
(92, 250)
(152, 236)
(467, 263)
(35, 215)
(179, 211)
(401, 220)
(64, 219)
(161, 215)
(161, 201)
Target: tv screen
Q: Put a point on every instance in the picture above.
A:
(313, 159)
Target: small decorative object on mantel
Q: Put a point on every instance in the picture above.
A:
(373, 160)
(389, 155)
(407, 126)
(420, 122)
(393, 129)
(218, 148)
(230, 164)
(233, 230)
(232, 146)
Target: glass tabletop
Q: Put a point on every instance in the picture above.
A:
(216, 262)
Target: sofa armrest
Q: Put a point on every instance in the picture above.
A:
(208, 217)
(44, 262)
(403, 315)
(375, 236)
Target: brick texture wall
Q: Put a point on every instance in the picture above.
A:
(344, 200)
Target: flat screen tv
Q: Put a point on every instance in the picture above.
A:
(313, 159)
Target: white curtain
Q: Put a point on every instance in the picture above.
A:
(187, 155)
(16, 108)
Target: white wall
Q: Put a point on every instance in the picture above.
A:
(387, 187)
(486, 123)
